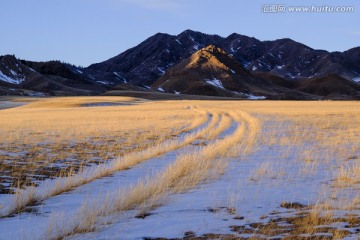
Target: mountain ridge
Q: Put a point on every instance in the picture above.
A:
(284, 57)
(280, 63)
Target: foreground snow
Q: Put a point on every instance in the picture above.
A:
(251, 190)
(238, 197)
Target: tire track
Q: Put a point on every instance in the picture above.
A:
(49, 188)
(187, 171)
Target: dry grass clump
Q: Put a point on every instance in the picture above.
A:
(348, 175)
(304, 225)
(268, 170)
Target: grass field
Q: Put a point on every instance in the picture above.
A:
(129, 168)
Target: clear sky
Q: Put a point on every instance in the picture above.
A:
(82, 32)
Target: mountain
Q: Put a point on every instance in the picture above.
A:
(20, 77)
(145, 63)
(211, 71)
(331, 86)
(196, 63)
(15, 76)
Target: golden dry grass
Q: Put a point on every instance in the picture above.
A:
(49, 134)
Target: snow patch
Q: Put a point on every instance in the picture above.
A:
(15, 80)
(36, 94)
(250, 96)
(161, 70)
(280, 67)
(177, 40)
(215, 82)
(13, 73)
(177, 92)
(103, 82)
(357, 79)
(232, 71)
(246, 64)
(160, 89)
(125, 81)
(254, 68)
(17, 65)
(253, 97)
(79, 71)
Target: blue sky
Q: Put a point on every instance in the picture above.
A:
(82, 32)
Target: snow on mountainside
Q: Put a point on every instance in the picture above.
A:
(215, 82)
(11, 71)
(14, 79)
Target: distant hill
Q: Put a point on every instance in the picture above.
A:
(20, 77)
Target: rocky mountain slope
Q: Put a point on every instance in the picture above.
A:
(211, 71)
(144, 63)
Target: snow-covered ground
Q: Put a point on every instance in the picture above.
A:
(35, 221)
(250, 191)
(240, 197)
(9, 104)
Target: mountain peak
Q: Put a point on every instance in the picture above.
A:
(213, 49)
(209, 71)
(211, 54)
(8, 57)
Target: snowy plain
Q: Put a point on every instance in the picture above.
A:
(251, 190)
